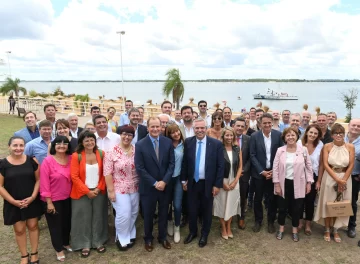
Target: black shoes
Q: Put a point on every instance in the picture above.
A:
(189, 238)
(271, 228)
(184, 221)
(203, 241)
(351, 232)
(256, 228)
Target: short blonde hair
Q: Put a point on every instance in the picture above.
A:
(228, 128)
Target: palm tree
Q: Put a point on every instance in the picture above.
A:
(83, 99)
(174, 85)
(12, 86)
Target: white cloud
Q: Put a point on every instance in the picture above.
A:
(206, 39)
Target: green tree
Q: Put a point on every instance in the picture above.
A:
(173, 85)
(12, 85)
(349, 97)
(58, 92)
(33, 93)
(82, 99)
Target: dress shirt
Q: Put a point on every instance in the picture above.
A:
(267, 142)
(37, 148)
(179, 153)
(124, 119)
(189, 132)
(207, 120)
(34, 134)
(283, 126)
(144, 123)
(74, 133)
(356, 143)
(202, 158)
(227, 124)
(108, 142)
(239, 140)
(178, 122)
(315, 158)
(135, 138)
(253, 124)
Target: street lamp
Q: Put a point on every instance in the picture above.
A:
(8, 52)
(122, 74)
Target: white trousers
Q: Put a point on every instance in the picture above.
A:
(127, 209)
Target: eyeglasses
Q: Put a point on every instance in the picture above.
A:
(127, 134)
(217, 118)
(61, 144)
(202, 105)
(338, 134)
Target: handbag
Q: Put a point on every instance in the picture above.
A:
(339, 207)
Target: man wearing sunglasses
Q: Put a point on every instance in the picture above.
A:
(202, 106)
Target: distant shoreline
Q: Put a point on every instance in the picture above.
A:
(206, 80)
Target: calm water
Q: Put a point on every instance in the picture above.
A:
(324, 95)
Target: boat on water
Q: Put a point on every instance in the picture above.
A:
(273, 95)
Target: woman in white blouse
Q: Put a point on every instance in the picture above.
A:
(311, 140)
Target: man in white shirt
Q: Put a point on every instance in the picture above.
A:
(124, 117)
(105, 140)
(227, 114)
(253, 122)
(186, 127)
(202, 106)
(140, 130)
(178, 119)
(164, 119)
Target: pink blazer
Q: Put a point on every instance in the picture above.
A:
(302, 170)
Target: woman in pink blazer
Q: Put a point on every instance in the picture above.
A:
(292, 178)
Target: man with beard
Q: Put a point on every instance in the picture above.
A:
(258, 113)
(140, 130)
(31, 130)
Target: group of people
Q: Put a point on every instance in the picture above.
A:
(179, 171)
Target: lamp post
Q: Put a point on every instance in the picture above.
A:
(8, 52)
(122, 74)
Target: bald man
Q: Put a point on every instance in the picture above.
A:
(353, 137)
(306, 117)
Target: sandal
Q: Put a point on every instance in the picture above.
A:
(337, 238)
(295, 237)
(36, 261)
(327, 235)
(26, 256)
(101, 249)
(308, 232)
(85, 253)
(60, 258)
(279, 235)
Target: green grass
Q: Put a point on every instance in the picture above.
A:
(8, 125)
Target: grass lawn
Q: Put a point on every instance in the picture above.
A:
(246, 247)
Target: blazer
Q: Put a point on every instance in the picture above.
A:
(235, 161)
(214, 164)
(258, 151)
(245, 151)
(80, 129)
(182, 130)
(302, 170)
(78, 175)
(24, 133)
(142, 131)
(149, 168)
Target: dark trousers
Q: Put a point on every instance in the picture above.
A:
(244, 189)
(148, 202)
(289, 201)
(251, 189)
(60, 224)
(354, 199)
(184, 209)
(198, 202)
(264, 186)
(309, 202)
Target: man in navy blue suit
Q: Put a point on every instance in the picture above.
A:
(155, 164)
(202, 175)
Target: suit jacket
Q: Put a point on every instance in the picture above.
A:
(214, 164)
(149, 168)
(258, 151)
(80, 129)
(245, 151)
(302, 170)
(24, 133)
(142, 131)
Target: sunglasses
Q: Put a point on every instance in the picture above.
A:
(217, 118)
(61, 144)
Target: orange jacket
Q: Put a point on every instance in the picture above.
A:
(78, 175)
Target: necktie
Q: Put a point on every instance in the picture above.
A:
(197, 162)
(156, 143)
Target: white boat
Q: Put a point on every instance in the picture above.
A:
(273, 95)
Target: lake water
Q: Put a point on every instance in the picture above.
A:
(324, 95)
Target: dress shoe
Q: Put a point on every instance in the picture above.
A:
(256, 228)
(132, 243)
(166, 244)
(170, 228)
(149, 246)
(351, 232)
(189, 238)
(177, 234)
(271, 228)
(121, 247)
(241, 224)
(203, 241)
(184, 221)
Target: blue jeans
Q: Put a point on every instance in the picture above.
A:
(175, 199)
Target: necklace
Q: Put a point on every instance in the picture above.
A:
(126, 151)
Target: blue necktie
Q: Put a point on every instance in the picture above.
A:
(197, 162)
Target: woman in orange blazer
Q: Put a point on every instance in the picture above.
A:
(89, 225)
(292, 178)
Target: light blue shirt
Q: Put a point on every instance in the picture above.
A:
(282, 126)
(202, 157)
(124, 119)
(356, 143)
(179, 153)
(37, 148)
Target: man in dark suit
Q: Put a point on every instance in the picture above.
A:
(155, 164)
(244, 144)
(227, 113)
(75, 130)
(202, 175)
(263, 146)
(140, 130)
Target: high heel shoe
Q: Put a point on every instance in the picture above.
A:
(36, 261)
(26, 256)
